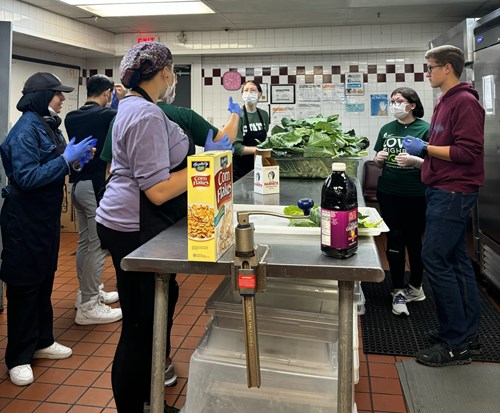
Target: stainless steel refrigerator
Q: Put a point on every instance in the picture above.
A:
(487, 79)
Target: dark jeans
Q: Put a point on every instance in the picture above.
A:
(29, 321)
(131, 372)
(405, 217)
(448, 265)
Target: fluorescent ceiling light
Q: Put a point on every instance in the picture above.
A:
(95, 2)
(123, 8)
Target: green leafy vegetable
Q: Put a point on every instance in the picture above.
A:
(368, 224)
(315, 218)
(293, 210)
(302, 223)
(315, 215)
(314, 137)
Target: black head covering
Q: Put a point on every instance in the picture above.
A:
(37, 102)
(38, 91)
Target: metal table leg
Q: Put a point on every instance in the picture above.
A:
(345, 385)
(159, 342)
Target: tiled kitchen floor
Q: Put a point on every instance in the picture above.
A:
(81, 384)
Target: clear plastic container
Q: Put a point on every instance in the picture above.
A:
(290, 309)
(297, 376)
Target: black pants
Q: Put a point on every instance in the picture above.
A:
(29, 321)
(131, 372)
(405, 217)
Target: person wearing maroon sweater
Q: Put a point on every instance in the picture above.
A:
(453, 170)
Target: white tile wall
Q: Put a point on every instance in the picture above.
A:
(322, 46)
(34, 21)
(215, 97)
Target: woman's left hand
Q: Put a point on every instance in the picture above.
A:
(223, 144)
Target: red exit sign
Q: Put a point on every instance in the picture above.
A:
(145, 39)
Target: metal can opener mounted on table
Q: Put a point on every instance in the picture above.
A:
(248, 272)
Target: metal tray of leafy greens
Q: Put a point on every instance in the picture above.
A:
(307, 148)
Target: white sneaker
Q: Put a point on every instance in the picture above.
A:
(170, 376)
(96, 312)
(105, 297)
(399, 303)
(414, 294)
(55, 352)
(21, 375)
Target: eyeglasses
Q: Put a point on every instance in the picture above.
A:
(431, 68)
(397, 102)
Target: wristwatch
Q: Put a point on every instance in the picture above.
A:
(424, 149)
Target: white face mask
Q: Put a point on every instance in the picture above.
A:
(399, 110)
(52, 112)
(110, 100)
(169, 95)
(250, 97)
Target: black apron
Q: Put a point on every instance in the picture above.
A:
(153, 219)
(31, 226)
(244, 164)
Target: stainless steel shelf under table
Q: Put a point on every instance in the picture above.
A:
(167, 253)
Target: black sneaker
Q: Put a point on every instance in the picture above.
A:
(473, 341)
(166, 409)
(440, 355)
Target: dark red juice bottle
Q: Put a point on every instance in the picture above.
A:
(339, 214)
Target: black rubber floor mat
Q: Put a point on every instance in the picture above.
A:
(386, 333)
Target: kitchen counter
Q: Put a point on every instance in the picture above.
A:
(167, 253)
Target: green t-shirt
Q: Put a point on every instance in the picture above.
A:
(193, 125)
(395, 179)
(255, 125)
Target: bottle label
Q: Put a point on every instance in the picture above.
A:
(339, 229)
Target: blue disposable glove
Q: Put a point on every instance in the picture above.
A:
(224, 144)
(75, 152)
(85, 159)
(414, 146)
(234, 107)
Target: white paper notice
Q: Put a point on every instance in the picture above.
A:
(279, 112)
(489, 94)
(309, 93)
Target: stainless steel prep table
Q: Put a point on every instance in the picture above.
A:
(167, 253)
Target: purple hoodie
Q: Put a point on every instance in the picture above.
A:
(458, 122)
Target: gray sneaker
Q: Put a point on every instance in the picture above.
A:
(414, 294)
(399, 304)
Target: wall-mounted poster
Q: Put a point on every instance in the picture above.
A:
(333, 92)
(308, 110)
(279, 112)
(309, 93)
(354, 107)
(378, 105)
(283, 94)
(354, 84)
(265, 93)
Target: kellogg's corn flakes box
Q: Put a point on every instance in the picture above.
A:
(210, 205)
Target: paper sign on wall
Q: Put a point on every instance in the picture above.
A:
(354, 84)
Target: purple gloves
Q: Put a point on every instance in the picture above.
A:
(81, 151)
(414, 146)
(224, 144)
(234, 107)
